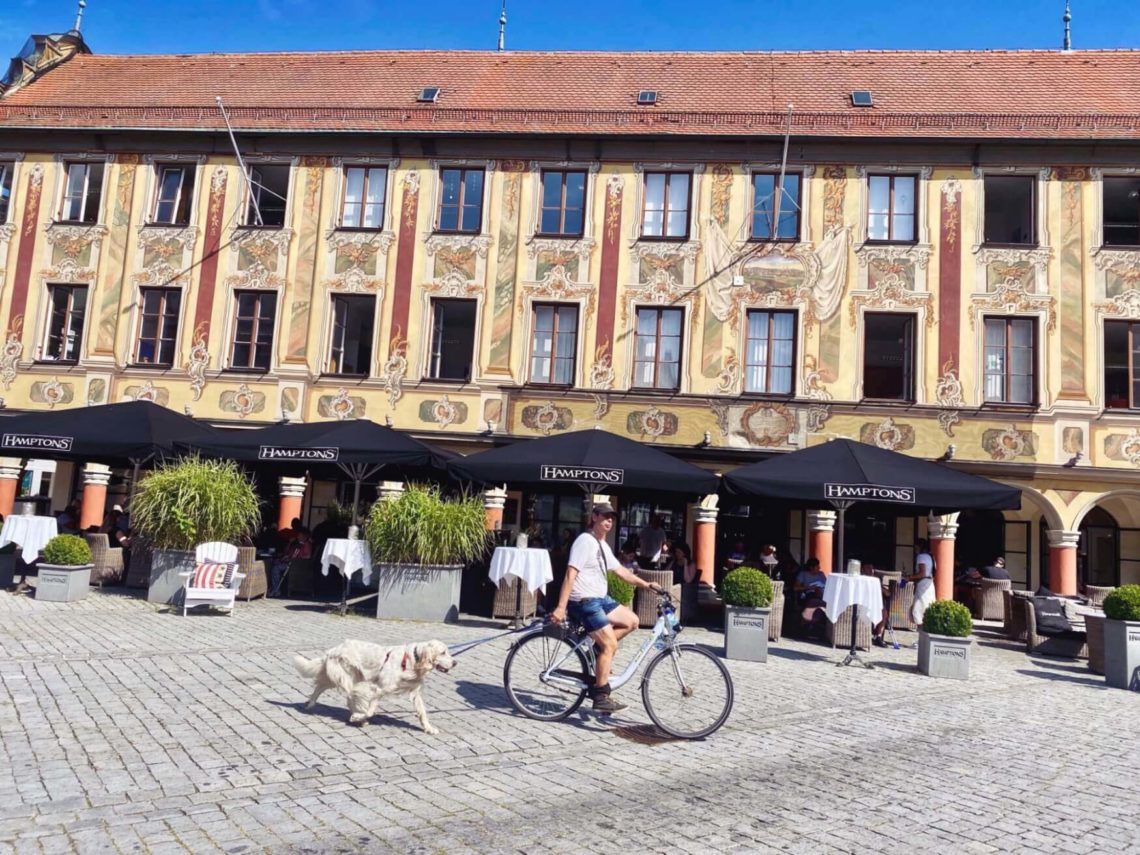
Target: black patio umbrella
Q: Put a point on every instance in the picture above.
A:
(135, 431)
(842, 472)
(595, 460)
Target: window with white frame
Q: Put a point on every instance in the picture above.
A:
(764, 199)
(64, 335)
(563, 203)
(350, 350)
(158, 326)
(365, 191)
(1121, 211)
(1010, 355)
(268, 195)
(554, 344)
(888, 356)
(657, 348)
(175, 195)
(769, 352)
(82, 192)
(460, 201)
(254, 315)
(452, 339)
(6, 171)
(1121, 365)
(891, 201)
(1010, 216)
(665, 209)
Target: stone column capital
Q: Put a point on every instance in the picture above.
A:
(821, 520)
(495, 498)
(96, 474)
(1061, 539)
(11, 468)
(290, 486)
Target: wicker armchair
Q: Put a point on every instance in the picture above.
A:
(254, 584)
(988, 599)
(1094, 631)
(1013, 601)
(301, 577)
(776, 618)
(106, 563)
(645, 602)
(839, 633)
(902, 598)
(1068, 645)
(1096, 594)
(506, 597)
(138, 571)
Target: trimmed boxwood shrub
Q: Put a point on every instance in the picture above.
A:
(1123, 603)
(947, 617)
(618, 588)
(747, 588)
(67, 550)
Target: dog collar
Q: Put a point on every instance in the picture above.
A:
(404, 663)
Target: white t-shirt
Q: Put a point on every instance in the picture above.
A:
(924, 564)
(587, 555)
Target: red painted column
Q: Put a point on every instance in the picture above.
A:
(1063, 561)
(93, 506)
(21, 281)
(949, 275)
(10, 470)
(704, 542)
(291, 501)
(821, 534)
(208, 271)
(494, 500)
(405, 258)
(943, 530)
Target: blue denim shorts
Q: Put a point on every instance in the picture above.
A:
(591, 612)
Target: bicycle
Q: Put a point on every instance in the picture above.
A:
(686, 690)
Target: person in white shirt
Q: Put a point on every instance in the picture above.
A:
(923, 578)
(585, 597)
(650, 541)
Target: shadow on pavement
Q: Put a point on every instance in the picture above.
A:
(796, 655)
(1098, 682)
(340, 714)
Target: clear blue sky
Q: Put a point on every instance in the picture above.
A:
(196, 26)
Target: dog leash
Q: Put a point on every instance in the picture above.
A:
(456, 649)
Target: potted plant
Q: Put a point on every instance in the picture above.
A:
(618, 588)
(944, 640)
(187, 502)
(64, 569)
(420, 543)
(1122, 637)
(747, 594)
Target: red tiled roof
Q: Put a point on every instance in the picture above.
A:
(1043, 94)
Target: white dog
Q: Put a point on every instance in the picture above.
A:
(367, 672)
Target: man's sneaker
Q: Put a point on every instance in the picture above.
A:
(879, 642)
(606, 705)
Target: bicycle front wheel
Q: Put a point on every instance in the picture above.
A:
(687, 691)
(522, 677)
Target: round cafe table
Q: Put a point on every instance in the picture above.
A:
(31, 533)
(531, 566)
(844, 591)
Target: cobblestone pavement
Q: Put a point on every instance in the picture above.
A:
(127, 728)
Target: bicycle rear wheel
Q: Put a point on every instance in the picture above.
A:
(687, 691)
(522, 677)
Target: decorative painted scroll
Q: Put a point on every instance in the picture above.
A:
(26, 252)
(308, 242)
(111, 290)
(405, 256)
(1072, 293)
(502, 317)
(607, 284)
(950, 272)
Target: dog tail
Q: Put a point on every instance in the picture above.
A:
(308, 667)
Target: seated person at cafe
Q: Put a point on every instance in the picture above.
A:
(996, 570)
(770, 561)
(808, 588)
(300, 547)
(628, 555)
(737, 555)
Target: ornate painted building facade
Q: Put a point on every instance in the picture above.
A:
(949, 273)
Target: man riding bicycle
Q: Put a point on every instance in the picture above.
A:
(585, 597)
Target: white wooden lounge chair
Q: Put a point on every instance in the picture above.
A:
(215, 581)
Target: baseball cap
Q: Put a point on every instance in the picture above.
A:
(604, 508)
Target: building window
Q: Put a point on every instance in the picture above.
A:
(666, 210)
(365, 189)
(563, 204)
(175, 195)
(1121, 365)
(6, 171)
(554, 344)
(769, 352)
(1121, 212)
(158, 326)
(82, 193)
(657, 349)
(888, 357)
(452, 339)
(890, 208)
(268, 196)
(764, 206)
(460, 200)
(1010, 210)
(1009, 360)
(65, 323)
(352, 319)
(254, 314)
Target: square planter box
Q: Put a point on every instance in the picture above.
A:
(164, 585)
(57, 583)
(1122, 654)
(944, 656)
(746, 633)
(419, 591)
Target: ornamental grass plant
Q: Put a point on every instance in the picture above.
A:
(618, 588)
(67, 550)
(1123, 603)
(947, 617)
(192, 501)
(747, 588)
(422, 527)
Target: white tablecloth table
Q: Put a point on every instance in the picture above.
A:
(843, 591)
(347, 556)
(530, 565)
(31, 533)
